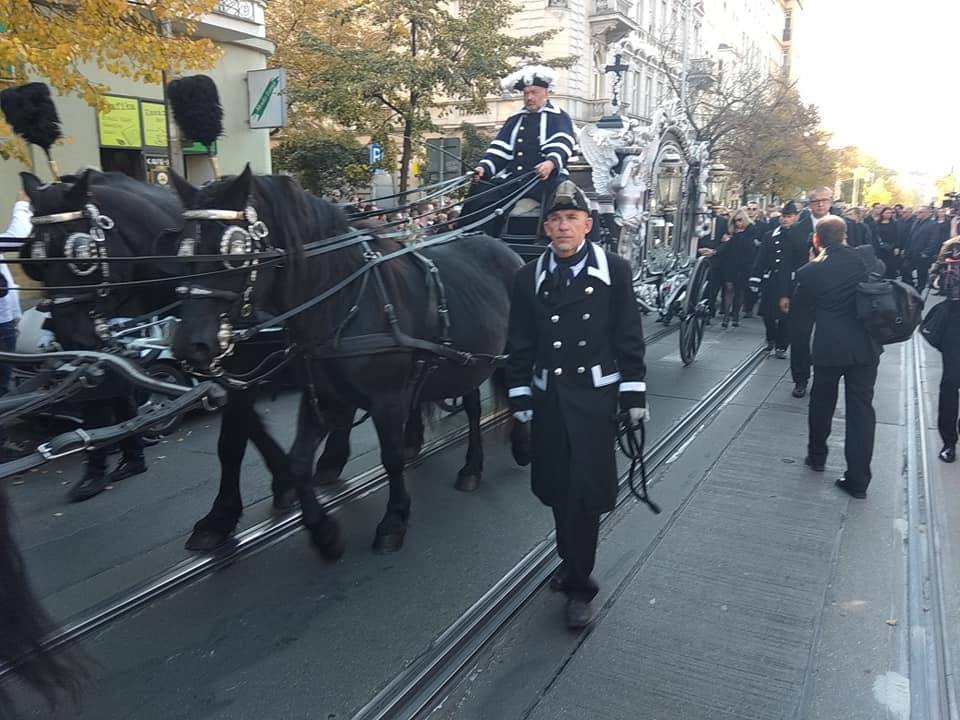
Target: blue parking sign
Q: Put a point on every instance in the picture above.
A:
(376, 153)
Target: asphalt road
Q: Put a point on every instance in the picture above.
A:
(282, 634)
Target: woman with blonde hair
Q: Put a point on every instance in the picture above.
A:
(734, 261)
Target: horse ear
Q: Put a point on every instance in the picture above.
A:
(185, 189)
(238, 192)
(79, 194)
(31, 184)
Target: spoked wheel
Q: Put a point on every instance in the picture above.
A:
(695, 312)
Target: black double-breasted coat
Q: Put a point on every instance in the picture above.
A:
(773, 260)
(574, 351)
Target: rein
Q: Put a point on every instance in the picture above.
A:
(632, 447)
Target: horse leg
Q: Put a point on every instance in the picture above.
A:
(284, 494)
(324, 530)
(336, 452)
(413, 434)
(389, 417)
(216, 527)
(468, 479)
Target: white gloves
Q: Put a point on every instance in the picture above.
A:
(523, 416)
(639, 414)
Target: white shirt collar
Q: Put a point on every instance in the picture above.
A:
(576, 268)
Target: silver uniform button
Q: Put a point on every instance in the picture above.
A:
(582, 343)
(558, 371)
(554, 318)
(589, 290)
(519, 167)
(586, 316)
(581, 370)
(520, 153)
(557, 344)
(520, 139)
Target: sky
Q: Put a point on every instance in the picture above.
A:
(886, 77)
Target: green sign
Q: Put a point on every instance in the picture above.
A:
(199, 149)
(120, 127)
(154, 116)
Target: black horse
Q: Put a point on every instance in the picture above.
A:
(349, 338)
(143, 216)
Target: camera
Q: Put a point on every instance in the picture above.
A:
(951, 201)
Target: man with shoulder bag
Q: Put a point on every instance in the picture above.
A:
(826, 296)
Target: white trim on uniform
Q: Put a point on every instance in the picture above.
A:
(602, 270)
(519, 391)
(540, 381)
(633, 387)
(601, 380)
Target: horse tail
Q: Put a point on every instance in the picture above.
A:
(23, 625)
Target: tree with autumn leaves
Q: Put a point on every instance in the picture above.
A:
(53, 41)
(381, 68)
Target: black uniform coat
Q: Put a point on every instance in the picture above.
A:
(573, 351)
(826, 296)
(769, 269)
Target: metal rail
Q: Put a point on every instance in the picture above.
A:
(416, 690)
(257, 537)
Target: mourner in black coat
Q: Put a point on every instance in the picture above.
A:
(772, 273)
(922, 246)
(733, 263)
(842, 348)
(576, 354)
(539, 138)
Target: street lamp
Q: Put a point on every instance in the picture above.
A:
(717, 184)
(669, 180)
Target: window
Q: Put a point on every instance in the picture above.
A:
(648, 96)
(443, 160)
(637, 98)
(660, 94)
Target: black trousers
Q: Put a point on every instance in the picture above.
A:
(778, 330)
(108, 411)
(577, 533)
(485, 196)
(861, 419)
(948, 409)
(922, 266)
(733, 292)
(799, 354)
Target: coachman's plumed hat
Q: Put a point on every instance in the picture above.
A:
(790, 208)
(567, 196)
(539, 75)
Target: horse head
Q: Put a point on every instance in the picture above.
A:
(222, 218)
(83, 223)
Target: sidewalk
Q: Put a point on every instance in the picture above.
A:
(768, 593)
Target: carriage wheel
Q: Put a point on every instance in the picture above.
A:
(695, 312)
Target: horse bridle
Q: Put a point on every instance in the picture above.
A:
(88, 250)
(235, 241)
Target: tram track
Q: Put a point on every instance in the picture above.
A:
(259, 536)
(420, 687)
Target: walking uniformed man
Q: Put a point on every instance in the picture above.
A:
(539, 138)
(576, 353)
(773, 275)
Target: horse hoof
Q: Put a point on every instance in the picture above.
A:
(285, 500)
(206, 540)
(385, 543)
(467, 481)
(327, 476)
(411, 453)
(326, 539)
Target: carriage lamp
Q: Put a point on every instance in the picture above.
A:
(717, 184)
(668, 181)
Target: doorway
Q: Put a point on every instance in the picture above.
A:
(129, 162)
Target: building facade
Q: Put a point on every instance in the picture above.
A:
(134, 136)
(651, 37)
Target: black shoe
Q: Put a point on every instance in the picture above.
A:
(850, 489)
(813, 464)
(579, 614)
(92, 483)
(127, 468)
(558, 581)
(725, 323)
(780, 353)
(799, 390)
(748, 314)
(736, 323)
(769, 346)
(948, 454)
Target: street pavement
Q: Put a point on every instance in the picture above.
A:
(282, 634)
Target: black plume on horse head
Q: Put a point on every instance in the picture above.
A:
(30, 111)
(196, 108)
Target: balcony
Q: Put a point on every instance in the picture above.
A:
(700, 73)
(233, 20)
(611, 20)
